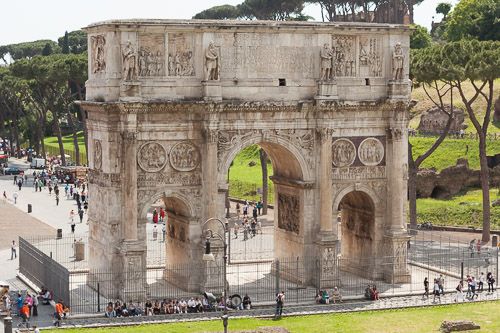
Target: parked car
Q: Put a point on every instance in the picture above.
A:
(13, 171)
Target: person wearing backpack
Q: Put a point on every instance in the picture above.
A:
(280, 300)
(490, 280)
(460, 294)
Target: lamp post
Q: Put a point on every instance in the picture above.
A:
(208, 256)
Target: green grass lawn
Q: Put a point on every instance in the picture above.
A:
(67, 142)
(429, 319)
(450, 150)
(244, 178)
(451, 213)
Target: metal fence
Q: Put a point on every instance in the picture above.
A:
(54, 151)
(301, 279)
(43, 270)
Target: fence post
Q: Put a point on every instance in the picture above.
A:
(318, 273)
(7, 322)
(277, 276)
(462, 271)
(98, 297)
(297, 283)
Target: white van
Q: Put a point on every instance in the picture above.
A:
(37, 163)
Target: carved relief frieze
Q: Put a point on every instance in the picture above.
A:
(134, 268)
(152, 156)
(230, 139)
(328, 256)
(144, 198)
(172, 178)
(288, 212)
(371, 152)
(97, 155)
(180, 54)
(370, 172)
(343, 152)
(184, 156)
(370, 59)
(97, 177)
(344, 56)
(151, 55)
(97, 57)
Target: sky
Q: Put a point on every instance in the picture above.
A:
(30, 20)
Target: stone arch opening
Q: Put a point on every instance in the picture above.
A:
(173, 246)
(357, 211)
(290, 190)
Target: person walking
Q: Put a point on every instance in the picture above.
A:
(162, 214)
(280, 301)
(80, 213)
(460, 293)
(155, 216)
(57, 199)
(426, 287)
(473, 286)
(259, 205)
(13, 251)
(73, 224)
(19, 184)
(245, 209)
(35, 306)
(15, 179)
(490, 280)
(436, 291)
(440, 281)
(480, 287)
(469, 281)
(238, 210)
(235, 230)
(254, 213)
(4, 197)
(164, 231)
(155, 233)
(15, 195)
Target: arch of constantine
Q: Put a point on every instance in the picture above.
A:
(170, 103)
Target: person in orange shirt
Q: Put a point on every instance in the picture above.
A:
(25, 314)
(58, 314)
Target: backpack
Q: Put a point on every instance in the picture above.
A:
(458, 288)
(279, 299)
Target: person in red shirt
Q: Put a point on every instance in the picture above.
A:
(25, 314)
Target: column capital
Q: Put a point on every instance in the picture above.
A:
(211, 135)
(395, 133)
(128, 137)
(324, 134)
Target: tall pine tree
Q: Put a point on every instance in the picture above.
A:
(65, 44)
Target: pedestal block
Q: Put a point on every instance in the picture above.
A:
(396, 268)
(130, 91)
(327, 90)
(327, 251)
(134, 283)
(399, 89)
(211, 91)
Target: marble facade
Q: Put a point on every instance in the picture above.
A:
(171, 102)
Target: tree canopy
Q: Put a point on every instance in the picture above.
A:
(443, 8)
(419, 38)
(224, 12)
(474, 19)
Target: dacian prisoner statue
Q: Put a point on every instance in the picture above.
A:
(129, 59)
(326, 62)
(211, 63)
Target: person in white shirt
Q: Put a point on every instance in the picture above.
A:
(480, 286)
(191, 305)
(183, 305)
(35, 329)
(473, 286)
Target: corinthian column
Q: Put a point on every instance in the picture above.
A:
(129, 188)
(325, 136)
(210, 174)
(398, 144)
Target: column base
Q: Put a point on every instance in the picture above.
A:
(396, 266)
(211, 91)
(327, 90)
(398, 89)
(133, 285)
(327, 245)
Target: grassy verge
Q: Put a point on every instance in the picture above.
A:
(67, 142)
(429, 319)
(452, 213)
(450, 150)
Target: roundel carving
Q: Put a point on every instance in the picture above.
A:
(184, 156)
(344, 153)
(371, 152)
(152, 156)
(97, 155)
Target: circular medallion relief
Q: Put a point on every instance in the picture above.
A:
(371, 152)
(344, 153)
(184, 156)
(152, 156)
(97, 155)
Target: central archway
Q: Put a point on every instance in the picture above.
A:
(291, 188)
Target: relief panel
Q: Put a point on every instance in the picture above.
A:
(288, 212)
(97, 57)
(180, 54)
(344, 56)
(370, 58)
(151, 55)
(152, 156)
